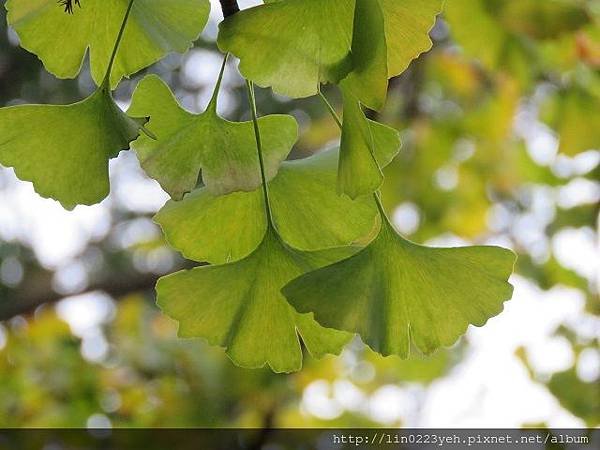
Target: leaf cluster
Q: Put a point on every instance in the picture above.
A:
(299, 253)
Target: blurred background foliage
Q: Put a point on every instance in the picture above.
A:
(501, 130)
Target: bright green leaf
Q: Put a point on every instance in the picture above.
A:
(292, 45)
(395, 291)
(407, 26)
(308, 214)
(387, 36)
(64, 150)
(214, 229)
(239, 306)
(368, 80)
(361, 150)
(318, 340)
(307, 211)
(61, 40)
(386, 142)
(187, 143)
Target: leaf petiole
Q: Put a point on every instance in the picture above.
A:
(336, 118)
(331, 109)
(105, 86)
(212, 105)
(106, 81)
(252, 101)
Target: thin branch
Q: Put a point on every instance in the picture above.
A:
(229, 7)
(38, 292)
(117, 44)
(26, 303)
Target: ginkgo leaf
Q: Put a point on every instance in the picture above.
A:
(320, 341)
(394, 291)
(239, 306)
(291, 45)
(188, 143)
(61, 40)
(359, 167)
(306, 42)
(64, 149)
(368, 80)
(387, 36)
(407, 26)
(214, 229)
(308, 214)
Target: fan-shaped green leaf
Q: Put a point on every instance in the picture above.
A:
(394, 291)
(320, 341)
(387, 36)
(64, 150)
(214, 229)
(239, 306)
(292, 45)
(187, 143)
(368, 80)
(306, 42)
(407, 26)
(308, 214)
(61, 40)
(361, 147)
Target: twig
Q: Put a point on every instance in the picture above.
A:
(229, 7)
